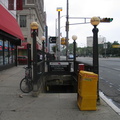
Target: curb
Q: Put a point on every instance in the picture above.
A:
(110, 103)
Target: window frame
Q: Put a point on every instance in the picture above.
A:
(23, 22)
(26, 2)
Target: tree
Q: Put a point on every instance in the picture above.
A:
(54, 48)
(88, 51)
(110, 51)
(70, 47)
(115, 51)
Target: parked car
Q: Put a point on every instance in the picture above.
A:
(22, 60)
(71, 56)
(76, 55)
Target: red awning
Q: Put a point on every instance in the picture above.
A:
(23, 45)
(9, 24)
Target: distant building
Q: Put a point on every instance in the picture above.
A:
(101, 40)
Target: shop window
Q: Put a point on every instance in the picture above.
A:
(23, 21)
(10, 54)
(6, 52)
(1, 52)
(13, 50)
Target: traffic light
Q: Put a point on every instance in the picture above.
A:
(106, 20)
(63, 41)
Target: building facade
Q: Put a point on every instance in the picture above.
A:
(10, 36)
(15, 31)
(33, 11)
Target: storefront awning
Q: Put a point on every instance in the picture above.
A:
(24, 46)
(9, 24)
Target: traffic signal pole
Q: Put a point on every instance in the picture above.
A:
(59, 9)
(67, 29)
(106, 20)
(58, 41)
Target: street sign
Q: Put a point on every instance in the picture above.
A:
(59, 63)
(59, 67)
(105, 46)
(52, 39)
(116, 46)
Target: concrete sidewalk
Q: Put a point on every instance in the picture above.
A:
(46, 106)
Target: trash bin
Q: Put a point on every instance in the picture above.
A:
(87, 90)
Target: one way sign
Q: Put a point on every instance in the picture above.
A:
(52, 39)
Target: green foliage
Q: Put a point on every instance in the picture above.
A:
(109, 51)
(54, 48)
(88, 51)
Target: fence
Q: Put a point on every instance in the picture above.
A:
(87, 67)
(55, 67)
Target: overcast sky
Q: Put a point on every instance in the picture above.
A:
(85, 8)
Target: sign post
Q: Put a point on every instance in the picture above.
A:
(52, 39)
(59, 67)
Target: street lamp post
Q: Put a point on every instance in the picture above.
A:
(34, 27)
(29, 55)
(58, 40)
(43, 52)
(95, 21)
(74, 37)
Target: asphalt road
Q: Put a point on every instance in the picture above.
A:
(109, 77)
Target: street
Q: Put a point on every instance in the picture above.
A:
(109, 77)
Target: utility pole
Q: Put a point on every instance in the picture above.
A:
(67, 29)
(58, 39)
